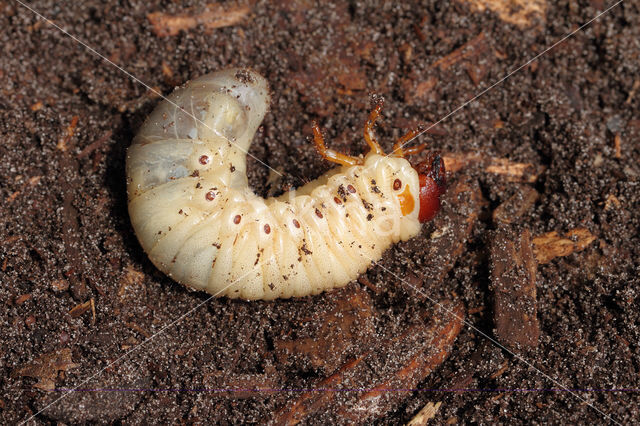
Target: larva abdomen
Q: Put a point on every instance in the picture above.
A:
(196, 217)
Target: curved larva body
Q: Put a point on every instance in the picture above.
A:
(195, 216)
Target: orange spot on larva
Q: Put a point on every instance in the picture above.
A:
(406, 201)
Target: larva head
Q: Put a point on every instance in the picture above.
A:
(433, 184)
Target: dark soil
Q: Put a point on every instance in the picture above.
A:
(65, 237)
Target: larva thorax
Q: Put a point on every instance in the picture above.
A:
(200, 223)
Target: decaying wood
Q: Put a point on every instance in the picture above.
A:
(516, 206)
(427, 413)
(551, 245)
(327, 338)
(368, 386)
(514, 172)
(214, 16)
(513, 278)
(46, 368)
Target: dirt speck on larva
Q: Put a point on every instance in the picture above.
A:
(67, 117)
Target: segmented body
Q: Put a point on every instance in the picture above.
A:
(200, 223)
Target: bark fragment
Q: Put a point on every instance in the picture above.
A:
(513, 171)
(427, 413)
(551, 245)
(453, 226)
(46, 368)
(513, 276)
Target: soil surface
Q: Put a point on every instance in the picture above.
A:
(84, 309)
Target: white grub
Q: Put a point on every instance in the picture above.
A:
(197, 219)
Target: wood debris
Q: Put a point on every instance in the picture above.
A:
(37, 106)
(214, 16)
(94, 145)
(474, 47)
(59, 285)
(513, 278)
(453, 227)
(514, 172)
(632, 92)
(63, 142)
(401, 362)
(329, 337)
(22, 298)
(551, 245)
(46, 368)
(522, 13)
(427, 413)
(83, 308)
(617, 144)
(612, 202)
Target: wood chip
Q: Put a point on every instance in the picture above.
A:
(23, 298)
(522, 13)
(617, 142)
(46, 368)
(83, 308)
(513, 278)
(59, 285)
(512, 171)
(37, 106)
(427, 413)
(551, 245)
(214, 16)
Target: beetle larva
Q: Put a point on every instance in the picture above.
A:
(200, 223)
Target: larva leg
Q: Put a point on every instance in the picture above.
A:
(399, 151)
(369, 136)
(414, 149)
(330, 154)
